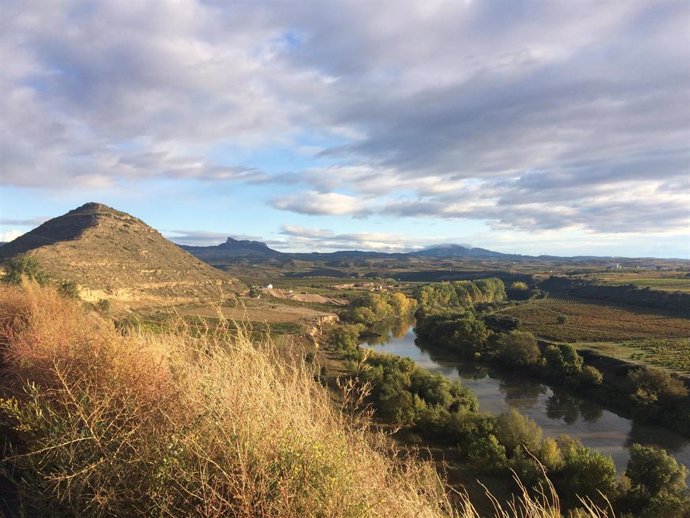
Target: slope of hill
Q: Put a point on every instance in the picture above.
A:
(111, 254)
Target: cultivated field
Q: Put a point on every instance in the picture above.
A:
(630, 334)
(660, 281)
(670, 353)
(595, 322)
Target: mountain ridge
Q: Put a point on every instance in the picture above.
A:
(245, 249)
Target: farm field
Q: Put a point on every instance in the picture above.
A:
(595, 322)
(629, 334)
(669, 353)
(663, 282)
(254, 310)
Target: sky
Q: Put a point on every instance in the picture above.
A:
(535, 127)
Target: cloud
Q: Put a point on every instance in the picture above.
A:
(317, 203)
(31, 222)
(10, 235)
(195, 237)
(327, 240)
(527, 115)
(203, 237)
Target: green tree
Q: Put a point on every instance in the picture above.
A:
(657, 483)
(517, 348)
(24, 267)
(514, 429)
(586, 473)
(591, 376)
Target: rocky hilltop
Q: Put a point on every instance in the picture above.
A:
(111, 254)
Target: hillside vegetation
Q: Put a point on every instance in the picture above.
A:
(100, 423)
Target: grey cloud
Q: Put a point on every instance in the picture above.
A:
(32, 222)
(546, 107)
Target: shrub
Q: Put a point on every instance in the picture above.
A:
(24, 267)
(69, 289)
(514, 430)
(591, 376)
(586, 473)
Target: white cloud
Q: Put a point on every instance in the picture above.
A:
(328, 203)
(10, 235)
(327, 240)
(556, 117)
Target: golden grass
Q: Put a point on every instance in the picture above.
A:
(98, 423)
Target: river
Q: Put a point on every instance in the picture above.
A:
(555, 411)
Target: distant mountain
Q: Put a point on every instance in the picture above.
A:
(111, 254)
(233, 249)
(459, 251)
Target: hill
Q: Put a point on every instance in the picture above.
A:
(451, 250)
(111, 254)
(233, 249)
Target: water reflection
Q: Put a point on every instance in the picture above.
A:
(563, 406)
(555, 410)
(522, 394)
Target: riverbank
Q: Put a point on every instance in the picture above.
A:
(556, 410)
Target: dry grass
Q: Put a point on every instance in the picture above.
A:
(183, 424)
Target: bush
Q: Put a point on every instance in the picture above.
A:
(591, 376)
(24, 267)
(69, 289)
(514, 430)
(585, 474)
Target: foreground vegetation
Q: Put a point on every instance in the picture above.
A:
(97, 423)
(101, 422)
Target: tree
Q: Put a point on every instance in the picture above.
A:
(657, 483)
(519, 285)
(591, 376)
(22, 267)
(653, 384)
(514, 429)
(517, 348)
(586, 473)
